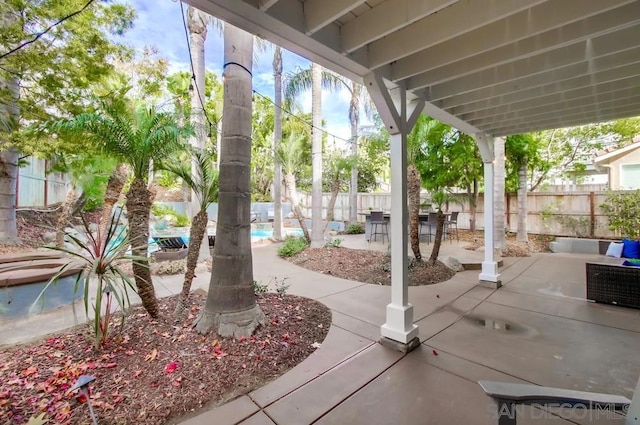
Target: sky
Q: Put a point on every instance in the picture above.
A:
(158, 23)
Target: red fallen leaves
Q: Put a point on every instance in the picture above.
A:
(137, 373)
(171, 367)
(435, 353)
(218, 353)
(31, 370)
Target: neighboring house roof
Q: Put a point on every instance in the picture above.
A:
(606, 155)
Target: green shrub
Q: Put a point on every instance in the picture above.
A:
(292, 245)
(181, 220)
(332, 242)
(260, 288)
(621, 209)
(354, 229)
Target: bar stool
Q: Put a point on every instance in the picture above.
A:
(452, 222)
(377, 219)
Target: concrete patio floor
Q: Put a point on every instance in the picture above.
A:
(537, 328)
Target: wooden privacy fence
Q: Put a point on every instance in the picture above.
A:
(37, 189)
(575, 213)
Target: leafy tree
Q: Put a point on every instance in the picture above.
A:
(51, 76)
(262, 149)
(339, 171)
(231, 306)
(373, 158)
(568, 150)
(137, 135)
(204, 184)
(621, 209)
(521, 150)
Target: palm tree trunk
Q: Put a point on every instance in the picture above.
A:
(438, 239)
(292, 195)
(317, 237)
(138, 203)
(197, 24)
(335, 189)
(354, 119)
(116, 182)
(196, 235)
(522, 203)
(65, 216)
(277, 138)
(413, 192)
(231, 304)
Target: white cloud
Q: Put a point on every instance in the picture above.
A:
(159, 23)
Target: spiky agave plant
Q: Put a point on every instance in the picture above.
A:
(102, 255)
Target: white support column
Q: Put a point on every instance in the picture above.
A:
(489, 275)
(399, 116)
(399, 325)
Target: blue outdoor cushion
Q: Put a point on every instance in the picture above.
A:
(630, 248)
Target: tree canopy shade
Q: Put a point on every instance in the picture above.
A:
(50, 77)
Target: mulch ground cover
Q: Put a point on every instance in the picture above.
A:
(153, 371)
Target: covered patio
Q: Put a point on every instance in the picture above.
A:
(537, 328)
(490, 68)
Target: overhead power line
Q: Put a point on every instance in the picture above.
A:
(49, 28)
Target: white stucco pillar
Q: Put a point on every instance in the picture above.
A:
(399, 115)
(489, 275)
(399, 325)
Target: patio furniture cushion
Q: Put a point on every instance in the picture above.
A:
(631, 248)
(615, 249)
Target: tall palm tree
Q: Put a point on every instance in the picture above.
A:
(231, 306)
(277, 138)
(136, 135)
(197, 22)
(204, 185)
(316, 79)
(354, 120)
(290, 155)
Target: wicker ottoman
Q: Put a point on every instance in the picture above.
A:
(613, 284)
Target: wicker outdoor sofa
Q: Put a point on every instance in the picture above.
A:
(608, 281)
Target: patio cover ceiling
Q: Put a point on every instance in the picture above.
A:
(494, 67)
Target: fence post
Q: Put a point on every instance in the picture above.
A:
(592, 213)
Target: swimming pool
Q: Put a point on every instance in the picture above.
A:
(257, 234)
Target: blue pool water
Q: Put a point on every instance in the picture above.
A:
(257, 234)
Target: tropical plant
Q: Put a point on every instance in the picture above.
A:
(102, 254)
(231, 305)
(204, 184)
(137, 135)
(290, 155)
(316, 79)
